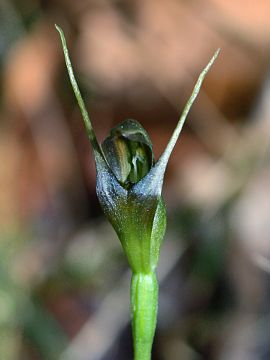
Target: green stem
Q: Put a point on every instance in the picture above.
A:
(144, 304)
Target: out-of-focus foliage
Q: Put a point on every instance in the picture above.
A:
(63, 278)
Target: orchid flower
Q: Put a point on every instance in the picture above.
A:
(129, 189)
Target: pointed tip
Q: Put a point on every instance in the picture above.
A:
(62, 35)
(58, 28)
(76, 90)
(216, 54)
(209, 65)
(163, 160)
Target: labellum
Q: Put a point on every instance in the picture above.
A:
(128, 152)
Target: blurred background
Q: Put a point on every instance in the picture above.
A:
(64, 282)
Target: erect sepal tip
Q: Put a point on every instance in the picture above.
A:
(76, 90)
(161, 164)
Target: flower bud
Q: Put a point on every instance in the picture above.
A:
(129, 197)
(129, 184)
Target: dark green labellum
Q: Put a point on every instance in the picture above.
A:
(128, 152)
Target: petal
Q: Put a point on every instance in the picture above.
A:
(116, 152)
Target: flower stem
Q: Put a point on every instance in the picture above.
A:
(144, 304)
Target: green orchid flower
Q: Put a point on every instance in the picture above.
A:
(129, 189)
